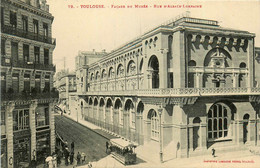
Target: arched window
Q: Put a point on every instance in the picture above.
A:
(192, 63)
(154, 124)
(219, 119)
(154, 71)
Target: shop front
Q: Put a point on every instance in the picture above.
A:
(42, 145)
(22, 145)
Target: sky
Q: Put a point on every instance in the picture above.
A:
(84, 29)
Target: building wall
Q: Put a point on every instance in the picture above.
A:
(192, 82)
(26, 84)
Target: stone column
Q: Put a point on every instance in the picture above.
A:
(191, 137)
(203, 134)
(33, 106)
(163, 69)
(199, 80)
(9, 132)
(52, 127)
(235, 80)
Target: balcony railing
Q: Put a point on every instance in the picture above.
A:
(180, 92)
(29, 35)
(27, 65)
(28, 96)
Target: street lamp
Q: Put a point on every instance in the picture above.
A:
(160, 110)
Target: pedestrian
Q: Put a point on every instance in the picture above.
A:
(213, 152)
(72, 146)
(66, 154)
(107, 145)
(59, 156)
(71, 157)
(66, 143)
(78, 158)
(33, 163)
(83, 156)
(54, 160)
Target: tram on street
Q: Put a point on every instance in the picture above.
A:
(123, 151)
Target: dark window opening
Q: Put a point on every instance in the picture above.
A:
(13, 19)
(25, 23)
(37, 55)
(26, 53)
(3, 83)
(46, 56)
(35, 26)
(14, 51)
(2, 47)
(45, 29)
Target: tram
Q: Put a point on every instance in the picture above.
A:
(123, 151)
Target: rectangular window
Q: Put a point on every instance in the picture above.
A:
(2, 117)
(27, 83)
(26, 53)
(2, 47)
(3, 83)
(46, 56)
(25, 23)
(21, 119)
(42, 116)
(45, 29)
(13, 19)
(37, 55)
(14, 51)
(38, 83)
(35, 26)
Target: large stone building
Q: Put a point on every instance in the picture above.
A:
(183, 88)
(27, 98)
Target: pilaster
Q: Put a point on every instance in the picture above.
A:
(33, 128)
(52, 127)
(9, 133)
(199, 80)
(163, 70)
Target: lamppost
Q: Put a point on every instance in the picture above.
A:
(160, 110)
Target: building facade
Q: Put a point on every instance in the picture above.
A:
(27, 97)
(65, 83)
(183, 88)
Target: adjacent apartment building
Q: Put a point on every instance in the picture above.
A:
(65, 83)
(181, 88)
(27, 95)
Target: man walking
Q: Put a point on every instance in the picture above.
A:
(78, 158)
(107, 145)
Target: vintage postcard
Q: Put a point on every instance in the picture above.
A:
(130, 83)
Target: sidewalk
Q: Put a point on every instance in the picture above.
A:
(232, 159)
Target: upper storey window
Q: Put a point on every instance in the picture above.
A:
(45, 29)
(217, 58)
(25, 23)
(35, 26)
(13, 19)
